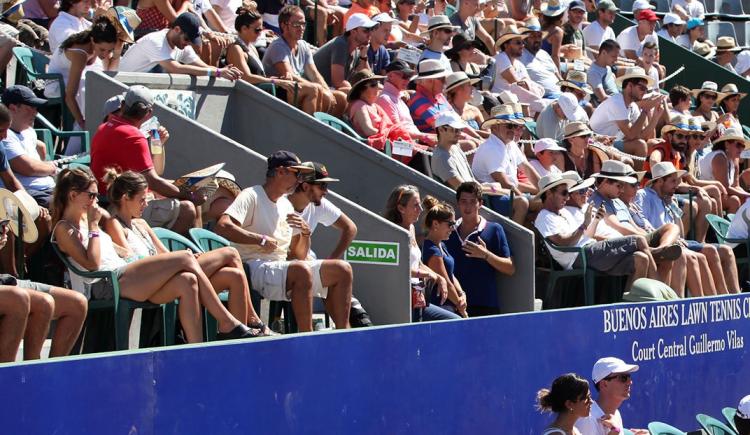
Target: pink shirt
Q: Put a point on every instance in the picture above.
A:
(395, 108)
(378, 118)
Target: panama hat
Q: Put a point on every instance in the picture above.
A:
(708, 87)
(438, 22)
(727, 43)
(730, 89)
(577, 80)
(637, 174)
(615, 170)
(502, 114)
(635, 72)
(521, 109)
(430, 69)
(552, 180)
(511, 32)
(576, 129)
(227, 181)
(580, 183)
(704, 49)
(457, 79)
(732, 134)
(531, 25)
(677, 123)
(13, 203)
(359, 79)
(696, 124)
(125, 20)
(461, 42)
(663, 169)
(553, 9)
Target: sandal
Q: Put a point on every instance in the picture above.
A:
(263, 330)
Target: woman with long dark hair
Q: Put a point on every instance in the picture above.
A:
(569, 399)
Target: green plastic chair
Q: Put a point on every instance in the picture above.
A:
(714, 426)
(659, 428)
(720, 226)
(556, 272)
(49, 132)
(207, 240)
(339, 125)
(531, 126)
(122, 308)
(33, 65)
(729, 414)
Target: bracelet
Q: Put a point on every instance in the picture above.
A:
(306, 234)
(93, 234)
(218, 73)
(263, 240)
(363, 58)
(273, 82)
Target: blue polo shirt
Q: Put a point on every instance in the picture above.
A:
(4, 166)
(476, 276)
(655, 209)
(612, 206)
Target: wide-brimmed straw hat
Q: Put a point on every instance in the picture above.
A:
(580, 183)
(461, 42)
(437, 22)
(727, 43)
(616, 170)
(664, 169)
(511, 32)
(704, 49)
(576, 129)
(430, 69)
(457, 79)
(359, 79)
(730, 89)
(635, 72)
(552, 180)
(503, 114)
(708, 87)
(20, 202)
(732, 134)
(577, 80)
(677, 123)
(226, 180)
(553, 9)
(125, 20)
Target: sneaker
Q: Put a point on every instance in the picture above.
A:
(239, 331)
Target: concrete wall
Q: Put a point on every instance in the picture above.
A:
(383, 290)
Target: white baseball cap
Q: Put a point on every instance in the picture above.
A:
(609, 366)
(450, 119)
(672, 18)
(743, 409)
(570, 107)
(547, 144)
(359, 20)
(383, 17)
(641, 4)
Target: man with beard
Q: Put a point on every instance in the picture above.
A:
(539, 63)
(511, 74)
(262, 225)
(600, 30)
(440, 31)
(628, 116)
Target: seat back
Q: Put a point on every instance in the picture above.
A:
(174, 241)
(662, 6)
(714, 426)
(729, 7)
(740, 29)
(659, 428)
(715, 29)
(719, 225)
(207, 240)
(337, 124)
(32, 62)
(728, 414)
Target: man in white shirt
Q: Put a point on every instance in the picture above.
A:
(69, 21)
(510, 72)
(672, 27)
(612, 379)
(171, 51)
(629, 117)
(262, 224)
(539, 64)
(599, 31)
(633, 38)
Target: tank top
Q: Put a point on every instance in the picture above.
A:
(60, 64)
(705, 170)
(139, 241)
(108, 256)
(251, 57)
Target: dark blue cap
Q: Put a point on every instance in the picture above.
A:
(190, 25)
(19, 94)
(286, 159)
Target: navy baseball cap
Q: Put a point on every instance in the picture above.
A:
(286, 159)
(190, 25)
(400, 66)
(18, 94)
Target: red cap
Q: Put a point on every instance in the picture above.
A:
(648, 15)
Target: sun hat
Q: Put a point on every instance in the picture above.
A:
(637, 174)
(639, 5)
(226, 180)
(580, 183)
(430, 69)
(649, 290)
(663, 169)
(692, 23)
(358, 80)
(13, 203)
(576, 129)
(672, 18)
(460, 42)
(611, 366)
(319, 173)
(126, 20)
(531, 25)
(704, 49)
(728, 90)
(520, 110)
(511, 32)
(732, 134)
(457, 79)
(569, 105)
(707, 87)
(635, 72)
(677, 123)
(450, 119)
(359, 20)
(577, 80)
(616, 170)
(743, 62)
(546, 144)
(437, 22)
(727, 43)
(552, 180)
(502, 114)
(553, 9)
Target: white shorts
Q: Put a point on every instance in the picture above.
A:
(268, 278)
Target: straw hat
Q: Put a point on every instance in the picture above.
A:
(729, 90)
(359, 79)
(577, 80)
(663, 169)
(696, 124)
(125, 20)
(727, 43)
(704, 49)
(531, 25)
(580, 183)
(227, 181)
(502, 114)
(615, 170)
(13, 203)
(733, 134)
(552, 180)
(521, 110)
(430, 69)
(677, 123)
(635, 72)
(457, 79)
(576, 129)
(553, 9)
(707, 87)
(511, 32)
(437, 22)
(461, 42)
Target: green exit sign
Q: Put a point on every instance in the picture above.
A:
(367, 252)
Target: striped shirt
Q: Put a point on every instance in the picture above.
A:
(425, 109)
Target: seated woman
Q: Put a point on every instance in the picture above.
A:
(719, 165)
(552, 19)
(158, 279)
(729, 101)
(243, 54)
(460, 90)
(698, 141)
(403, 209)
(705, 99)
(569, 399)
(463, 54)
(97, 48)
(439, 222)
(223, 267)
(581, 157)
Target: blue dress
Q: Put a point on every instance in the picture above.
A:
(429, 250)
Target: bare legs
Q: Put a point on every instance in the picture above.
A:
(14, 308)
(336, 275)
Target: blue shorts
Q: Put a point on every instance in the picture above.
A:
(619, 144)
(694, 246)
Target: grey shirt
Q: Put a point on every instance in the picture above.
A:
(604, 77)
(550, 125)
(279, 51)
(449, 164)
(335, 52)
(468, 28)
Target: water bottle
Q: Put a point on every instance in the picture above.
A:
(156, 146)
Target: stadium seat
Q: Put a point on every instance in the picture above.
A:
(626, 7)
(659, 428)
(339, 125)
(531, 127)
(720, 226)
(726, 9)
(547, 264)
(49, 132)
(662, 7)
(715, 29)
(742, 30)
(33, 64)
(122, 308)
(714, 426)
(728, 414)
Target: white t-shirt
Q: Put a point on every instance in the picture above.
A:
(64, 26)
(664, 34)
(613, 109)
(326, 214)
(551, 224)
(495, 156)
(684, 41)
(542, 70)
(694, 9)
(258, 214)
(591, 426)
(628, 40)
(602, 229)
(24, 144)
(739, 228)
(227, 11)
(594, 34)
(151, 49)
(536, 164)
(502, 62)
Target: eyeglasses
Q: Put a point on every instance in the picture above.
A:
(565, 193)
(446, 30)
(622, 377)
(91, 195)
(298, 24)
(451, 224)
(297, 173)
(323, 185)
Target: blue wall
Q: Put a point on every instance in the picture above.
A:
(477, 376)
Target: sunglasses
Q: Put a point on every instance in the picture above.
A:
(371, 85)
(323, 185)
(709, 96)
(91, 195)
(446, 30)
(297, 173)
(451, 224)
(298, 24)
(623, 377)
(642, 87)
(565, 193)
(680, 135)
(696, 136)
